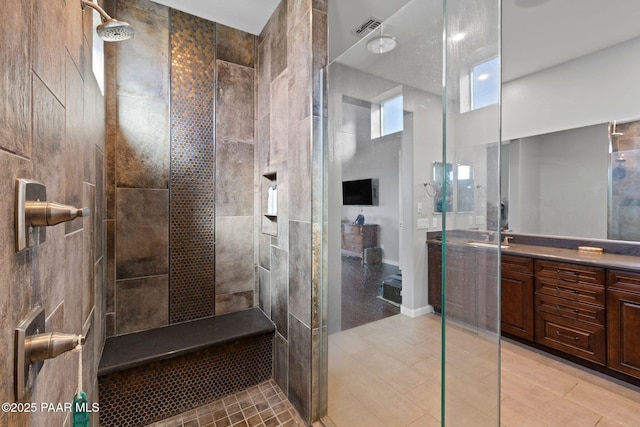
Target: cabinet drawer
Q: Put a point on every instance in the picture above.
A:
(570, 309)
(517, 263)
(623, 280)
(577, 338)
(571, 290)
(351, 229)
(350, 239)
(572, 273)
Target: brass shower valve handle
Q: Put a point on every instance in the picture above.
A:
(33, 214)
(49, 345)
(42, 214)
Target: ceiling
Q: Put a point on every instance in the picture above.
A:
(536, 34)
(246, 15)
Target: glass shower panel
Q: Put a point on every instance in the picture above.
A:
(364, 87)
(472, 230)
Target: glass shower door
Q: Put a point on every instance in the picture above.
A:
(440, 161)
(472, 224)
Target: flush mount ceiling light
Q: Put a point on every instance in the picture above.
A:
(381, 44)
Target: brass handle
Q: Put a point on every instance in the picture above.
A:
(42, 214)
(567, 336)
(50, 345)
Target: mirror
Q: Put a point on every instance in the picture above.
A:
(624, 190)
(582, 182)
(438, 176)
(556, 115)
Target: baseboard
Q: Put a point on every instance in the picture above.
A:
(417, 312)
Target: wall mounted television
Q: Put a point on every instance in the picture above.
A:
(363, 192)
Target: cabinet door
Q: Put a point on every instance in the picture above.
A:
(461, 296)
(435, 275)
(516, 304)
(623, 331)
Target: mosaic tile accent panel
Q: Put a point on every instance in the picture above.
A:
(259, 406)
(192, 182)
(163, 389)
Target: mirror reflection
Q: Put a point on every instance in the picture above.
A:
(464, 188)
(443, 178)
(581, 182)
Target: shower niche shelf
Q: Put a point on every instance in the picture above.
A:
(269, 203)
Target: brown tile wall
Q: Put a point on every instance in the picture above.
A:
(52, 129)
(266, 103)
(292, 51)
(180, 178)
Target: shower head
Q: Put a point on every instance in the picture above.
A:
(111, 30)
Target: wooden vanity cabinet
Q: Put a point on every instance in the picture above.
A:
(569, 309)
(461, 292)
(434, 275)
(623, 321)
(516, 299)
(461, 289)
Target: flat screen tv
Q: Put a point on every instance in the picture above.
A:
(360, 192)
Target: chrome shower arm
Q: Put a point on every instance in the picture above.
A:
(105, 16)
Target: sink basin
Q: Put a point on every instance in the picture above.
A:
(486, 245)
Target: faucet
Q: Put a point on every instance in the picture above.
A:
(506, 239)
(489, 237)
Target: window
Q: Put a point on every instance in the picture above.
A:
(392, 116)
(485, 83)
(98, 54)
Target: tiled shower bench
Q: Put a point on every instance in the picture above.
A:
(151, 375)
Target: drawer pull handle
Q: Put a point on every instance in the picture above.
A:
(567, 336)
(569, 310)
(575, 291)
(565, 272)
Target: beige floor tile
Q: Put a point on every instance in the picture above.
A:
(355, 416)
(388, 374)
(403, 378)
(427, 396)
(608, 404)
(608, 422)
(543, 375)
(425, 421)
(514, 414)
(457, 413)
(349, 342)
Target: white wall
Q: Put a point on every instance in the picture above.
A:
(376, 159)
(563, 178)
(421, 145)
(592, 89)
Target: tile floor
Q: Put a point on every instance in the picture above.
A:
(387, 373)
(264, 405)
(361, 286)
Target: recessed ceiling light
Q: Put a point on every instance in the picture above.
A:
(483, 76)
(381, 44)
(458, 37)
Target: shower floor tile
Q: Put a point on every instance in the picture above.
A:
(263, 405)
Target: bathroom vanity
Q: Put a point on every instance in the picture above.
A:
(583, 306)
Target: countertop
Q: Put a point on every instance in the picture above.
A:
(608, 260)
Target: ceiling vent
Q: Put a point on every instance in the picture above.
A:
(370, 25)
